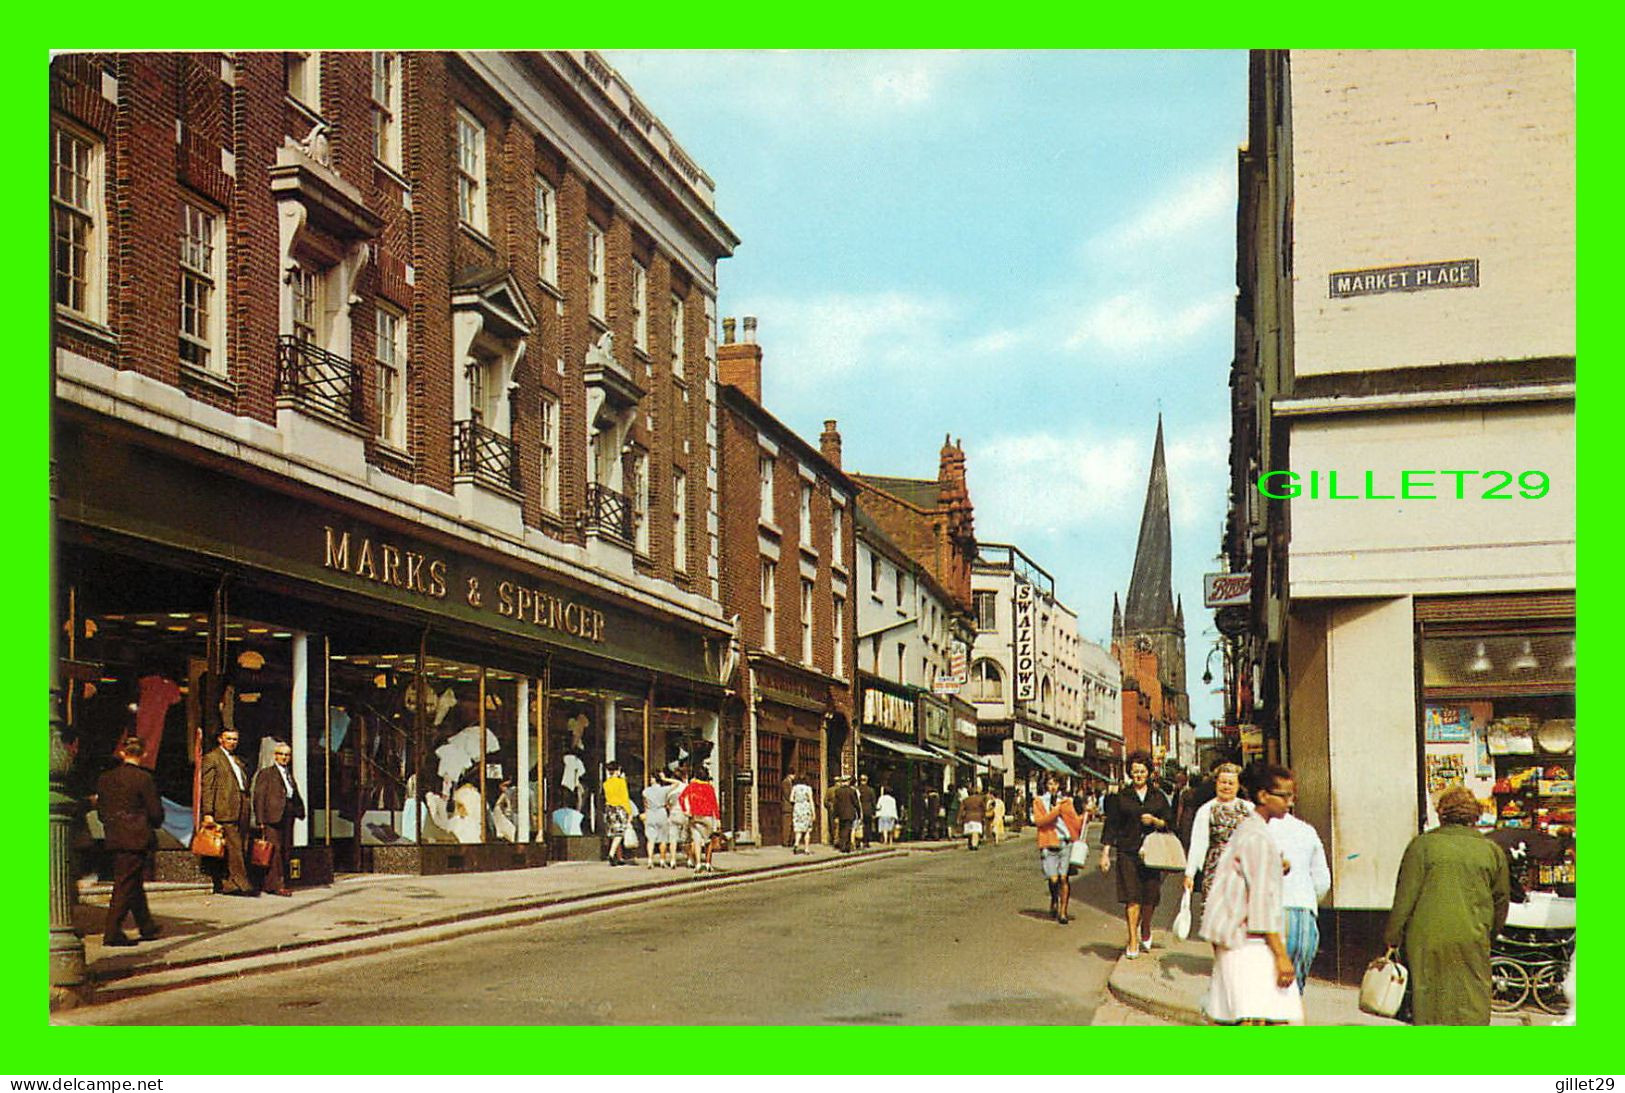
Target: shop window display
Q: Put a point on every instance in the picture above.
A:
(1498, 717)
(141, 671)
(574, 761)
(629, 717)
(470, 768)
(363, 753)
(438, 732)
(149, 681)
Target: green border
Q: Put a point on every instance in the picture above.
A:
(34, 1048)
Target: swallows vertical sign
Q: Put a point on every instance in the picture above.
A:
(1025, 655)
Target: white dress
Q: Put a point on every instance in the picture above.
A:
(1244, 902)
(801, 808)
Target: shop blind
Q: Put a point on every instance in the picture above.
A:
(1496, 608)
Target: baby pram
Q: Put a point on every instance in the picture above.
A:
(1529, 957)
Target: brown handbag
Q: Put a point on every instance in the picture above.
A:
(209, 841)
(259, 852)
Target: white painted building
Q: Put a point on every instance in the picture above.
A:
(1025, 676)
(912, 644)
(1102, 687)
(1408, 246)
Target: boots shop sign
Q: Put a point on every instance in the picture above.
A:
(1025, 654)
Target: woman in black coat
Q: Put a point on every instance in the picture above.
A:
(1132, 813)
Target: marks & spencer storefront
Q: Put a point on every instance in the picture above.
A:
(449, 706)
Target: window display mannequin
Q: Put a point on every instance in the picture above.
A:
(577, 728)
(574, 779)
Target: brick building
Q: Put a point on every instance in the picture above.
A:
(384, 422)
(1144, 718)
(932, 520)
(787, 525)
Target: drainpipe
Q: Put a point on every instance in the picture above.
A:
(751, 813)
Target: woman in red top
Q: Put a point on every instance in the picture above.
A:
(1058, 825)
(699, 799)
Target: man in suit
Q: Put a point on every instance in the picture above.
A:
(226, 802)
(846, 810)
(277, 805)
(787, 827)
(866, 804)
(127, 799)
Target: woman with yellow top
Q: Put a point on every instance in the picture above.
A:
(617, 812)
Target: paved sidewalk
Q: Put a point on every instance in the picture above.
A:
(1169, 983)
(207, 936)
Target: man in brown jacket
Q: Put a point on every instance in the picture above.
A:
(277, 804)
(225, 801)
(787, 833)
(846, 808)
(972, 811)
(127, 801)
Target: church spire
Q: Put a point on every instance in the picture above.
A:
(1117, 618)
(1150, 588)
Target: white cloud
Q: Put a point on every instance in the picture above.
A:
(1047, 483)
(1198, 476)
(811, 341)
(1135, 320)
(1000, 341)
(1182, 209)
(796, 88)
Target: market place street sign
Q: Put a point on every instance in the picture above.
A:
(1419, 277)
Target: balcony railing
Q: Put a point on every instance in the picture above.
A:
(484, 455)
(608, 512)
(311, 376)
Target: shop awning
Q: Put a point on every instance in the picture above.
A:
(1065, 765)
(1093, 773)
(961, 757)
(1044, 760)
(901, 748)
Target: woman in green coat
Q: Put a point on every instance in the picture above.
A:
(1450, 899)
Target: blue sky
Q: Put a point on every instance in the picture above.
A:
(1026, 251)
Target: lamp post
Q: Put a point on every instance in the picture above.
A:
(67, 948)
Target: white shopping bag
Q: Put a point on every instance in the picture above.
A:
(1182, 921)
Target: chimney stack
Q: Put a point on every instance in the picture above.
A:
(829, 442)
(739, 364)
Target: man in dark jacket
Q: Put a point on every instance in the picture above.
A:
(866, 802)
(127, 799)
(787, 827)
(277, 805)
(846, 807)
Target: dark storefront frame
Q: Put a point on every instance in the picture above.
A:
(159, 528)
